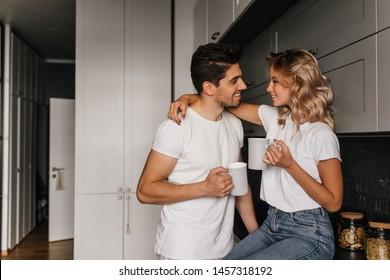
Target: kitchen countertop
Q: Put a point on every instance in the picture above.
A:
(344, 254)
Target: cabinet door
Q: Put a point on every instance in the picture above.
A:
(140, 229)
(253, 64)
(99, 227)
(147, 97)
(257, 95)
(219, 17)
(325, 25)
(200, 23)
(383, 80)
(352, 72)
(240, 6)
(148, 80)
(99, 96)
(383, 14)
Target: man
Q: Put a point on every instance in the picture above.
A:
(185, 168)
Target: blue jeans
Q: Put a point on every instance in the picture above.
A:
(301, 235)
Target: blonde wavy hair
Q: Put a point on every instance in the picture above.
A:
(311, 93)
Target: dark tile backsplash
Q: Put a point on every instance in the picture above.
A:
(366, 171)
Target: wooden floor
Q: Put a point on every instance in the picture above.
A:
(36, 247)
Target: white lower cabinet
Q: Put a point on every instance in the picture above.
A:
(99, 226)
(114, 227)
(352, 72)
(123, 90)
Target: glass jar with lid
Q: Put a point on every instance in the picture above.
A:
(351, 233)
(377, 243)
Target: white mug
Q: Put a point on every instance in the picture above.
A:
(256, 152)
(239, 175)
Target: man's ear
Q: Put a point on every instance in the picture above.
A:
(208, 88)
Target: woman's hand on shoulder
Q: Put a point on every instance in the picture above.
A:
(180, 105)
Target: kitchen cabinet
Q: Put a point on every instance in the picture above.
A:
(256, 95)
(212, 18)
(114, 227)
(383, 14)
(220, 15)
(122, 83)
(240, 6)
(325, 26)
(200, 23)
(352, 72)
(253, 64)
(383, 80)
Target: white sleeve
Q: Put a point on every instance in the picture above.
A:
(267, 115)
(326, 145)
(169, 139)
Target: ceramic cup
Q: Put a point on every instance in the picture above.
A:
(239, 175)
(256, 151)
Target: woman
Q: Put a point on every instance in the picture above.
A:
(303, 180)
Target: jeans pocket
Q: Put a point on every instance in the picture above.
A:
(305, 220)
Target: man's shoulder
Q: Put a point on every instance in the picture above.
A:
(229, 116)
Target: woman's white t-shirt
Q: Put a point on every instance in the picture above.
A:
(199, 228)
(308, 145)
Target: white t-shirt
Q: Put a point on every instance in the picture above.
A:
(310, 144)
(200, 228)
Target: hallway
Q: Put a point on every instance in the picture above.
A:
(36, 247)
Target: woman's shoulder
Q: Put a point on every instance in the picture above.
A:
(319, 132)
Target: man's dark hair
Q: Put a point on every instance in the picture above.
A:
(211, 61)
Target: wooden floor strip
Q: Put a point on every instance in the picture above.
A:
(36, 247)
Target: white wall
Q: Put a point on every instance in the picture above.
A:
(184, 44)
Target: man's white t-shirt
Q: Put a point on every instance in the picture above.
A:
(308, 145)
(200, 228)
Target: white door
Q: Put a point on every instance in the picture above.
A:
(61, 169)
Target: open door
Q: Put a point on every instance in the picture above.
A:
(61, 169)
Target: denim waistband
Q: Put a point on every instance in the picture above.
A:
(318, 210)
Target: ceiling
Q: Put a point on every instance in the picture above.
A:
(47, 26)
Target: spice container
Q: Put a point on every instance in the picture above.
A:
(351, 233)
(378, 241)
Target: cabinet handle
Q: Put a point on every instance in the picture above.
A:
(120, 190)
(57, 169)
(128, 190)
(313, 51)
(215, 36)
(128, 215)
(120, 197)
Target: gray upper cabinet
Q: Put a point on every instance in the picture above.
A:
(350, 39)
(253, 64)
(383, 80)
(220, 15)
(200, 23)
(352, 72)
(324, 26)
(240, 6)
(383, 14)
